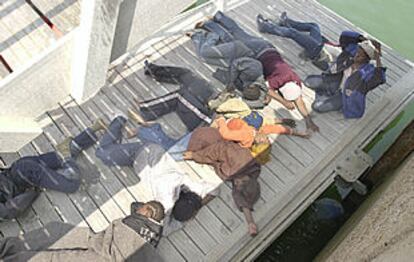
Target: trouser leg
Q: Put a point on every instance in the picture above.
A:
(37, 174)
(333, 103)
(155, 134)
(224, 35)
(180, 147)
(155, 108)
(167, 74)
(84, 140)
(111, 152)
(232, 27)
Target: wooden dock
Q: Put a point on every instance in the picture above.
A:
(26, 33)
(289, 181)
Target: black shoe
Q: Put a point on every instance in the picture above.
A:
(283, 19)
(147, 70)
(260, 20)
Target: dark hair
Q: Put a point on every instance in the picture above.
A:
(186, 206)
(158, 212)
(251, 92)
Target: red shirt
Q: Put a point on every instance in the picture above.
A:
(276, 71)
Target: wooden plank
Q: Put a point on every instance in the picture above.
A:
(89, 209)
(96, 191)
(168, 252)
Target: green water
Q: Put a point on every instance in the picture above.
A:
(391, 21)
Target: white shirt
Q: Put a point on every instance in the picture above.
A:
(165, 181)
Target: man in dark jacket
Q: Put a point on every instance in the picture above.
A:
(20, 184)
(133, 238)
(189, 102)
(351, 78)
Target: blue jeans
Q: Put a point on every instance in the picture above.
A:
(180, 147)
(111, 151)
(328, 95)
(155, 134)
(227, 28)
(43, 170)
(307, 35)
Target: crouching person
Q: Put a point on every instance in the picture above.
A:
(21, 183)
(133, 238)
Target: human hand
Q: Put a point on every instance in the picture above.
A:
(289, 105)
(188, 155)
(289, 122)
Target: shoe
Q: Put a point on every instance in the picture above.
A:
(199, 25)
(283, 19)
(3, 166)
(64, 148)
(260, 20)
(147, 70)
(99, 124)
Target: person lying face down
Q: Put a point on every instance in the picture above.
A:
(231, 163)
(21, 183)
(133, 238)
(285, 86)
(238, 69)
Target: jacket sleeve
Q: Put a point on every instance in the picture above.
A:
(17, 205)
(239, 135)
(377, 79)
(275, 129)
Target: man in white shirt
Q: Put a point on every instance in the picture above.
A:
(181, 195)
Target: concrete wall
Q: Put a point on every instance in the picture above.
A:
(29, 92)
(40, 85)
(138, 19)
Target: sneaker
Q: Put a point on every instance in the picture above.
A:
(283, 19)
(260, 20)
(63, 149)
(147, 70)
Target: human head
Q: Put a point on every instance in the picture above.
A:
(251, 92)
(187, 206)
(366, 51)
(261, 152)
(291, 91)
(261, 138)
(152, 209)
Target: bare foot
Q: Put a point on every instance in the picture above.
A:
(252, 229)
(130, 132)
(136, 117)
(310, 125)
(99, 124)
